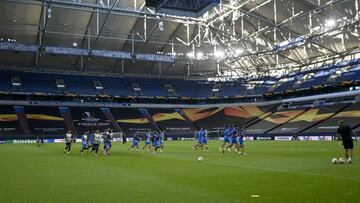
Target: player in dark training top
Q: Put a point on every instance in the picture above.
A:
(241, 140)
(346, 134)
(155, 142)
(97, 141)
(40, 141)
(68, 141)
(107, 137)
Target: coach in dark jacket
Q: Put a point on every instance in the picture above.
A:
(345, 132)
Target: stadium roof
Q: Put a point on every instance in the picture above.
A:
(237, 38)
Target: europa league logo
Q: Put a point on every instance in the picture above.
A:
(89, 118)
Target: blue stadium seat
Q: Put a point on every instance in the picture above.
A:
(79, 85)
(235, 89)
(260, 89)
(151, 87)
(348, 76)
(314, 81)
(190, 88)
(4, 81)
(285, 86)
(38, 83)
(116, 86)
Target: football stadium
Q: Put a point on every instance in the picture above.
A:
(180, 101)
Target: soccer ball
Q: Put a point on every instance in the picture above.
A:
(342, 160)
(200, 158)
(334, 160)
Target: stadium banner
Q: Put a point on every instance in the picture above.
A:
(264, 138)
(205, 117)
(59, 140)
(245, 138)
(274, 120)
(144, 112)
(186, 138)
(49, 140)
(246, 115)
(315, 138)
(9, 123)
(65, 113)
(285, 138)
(311, 117)
(23, 141)
(171, 121)
(350, 116)
(45, 121)
(27, 141)
(89, 119)
(130, 120)
(217, 117)
(21, 114)
(110, 117)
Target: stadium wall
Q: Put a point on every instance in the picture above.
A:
(29, 119)
(261, 121)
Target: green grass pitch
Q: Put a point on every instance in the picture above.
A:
(275, 171)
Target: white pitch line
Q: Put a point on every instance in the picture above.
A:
(296, 172)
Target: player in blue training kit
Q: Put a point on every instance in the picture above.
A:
(199, 139)
(135, 143)
(226, 139)
(204, 145)
(161, 142)
(241, 140)
(155, 142)
(147, 141)
(107, 141)
(233, 139)
(84, 142)
(91, 139)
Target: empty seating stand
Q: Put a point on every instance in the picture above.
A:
(232, 89)
(348, 76)
(191, 88)
(39, 83)
(284, 86)
(151, 87)
(314, 82)
(260, 89)
(4, 82)
(44, 83)
(79, 85)
(118, 87)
